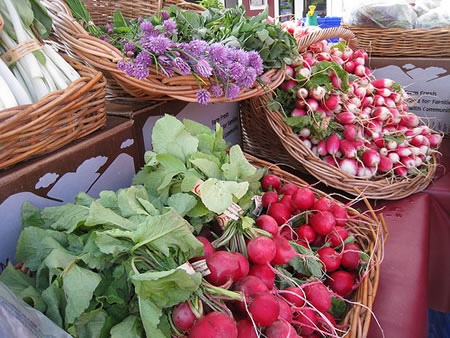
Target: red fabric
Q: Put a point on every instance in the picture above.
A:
(401, 301)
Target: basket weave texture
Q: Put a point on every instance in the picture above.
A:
(55, 120)
(403, 42)
(76, 41)
(370, 237)
(266, 135)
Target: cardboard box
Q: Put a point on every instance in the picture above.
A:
(227, 114)
(104, 160)
(427, 80)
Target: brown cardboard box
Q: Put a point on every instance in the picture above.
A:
(427, 80)
(104, 160)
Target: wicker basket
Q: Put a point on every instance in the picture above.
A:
(266, 135)
(334, 32)
(403, 42)
(55, 120)
(103, 56)
(370, 237)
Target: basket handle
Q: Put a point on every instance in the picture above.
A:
(328, 33)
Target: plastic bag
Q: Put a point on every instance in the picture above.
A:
(424, 6)
(384, 14)
(435, 18)
(18, 319)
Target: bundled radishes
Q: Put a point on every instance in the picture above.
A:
(295, 280)
(351, 120)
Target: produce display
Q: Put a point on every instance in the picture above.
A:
(29, 68)
(351, 120)
(223, 49)
(203, 244)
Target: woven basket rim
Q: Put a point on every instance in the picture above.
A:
(105, 57)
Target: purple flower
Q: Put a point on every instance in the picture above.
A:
(109, 28)
(181, 65)
(140, 71)
(240, 55)
(218, 53)
(121, 65)
(146, 27)
(248, 77)
(203, 68)
(129, 47)
(105, 38)
(129, 68)
(140, 19)
(196, 47)
(221, 72)
(256, 62)
(165, 64)
(216, 90)
(161, 44)
(233, 91)
(236, 70)
(203, 96)
(170, 26)
(165, 15)
(144, 58)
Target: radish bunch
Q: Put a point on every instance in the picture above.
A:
(281, 293)
(352, 120)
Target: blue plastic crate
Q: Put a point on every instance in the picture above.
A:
(438, 324)
(328, 22)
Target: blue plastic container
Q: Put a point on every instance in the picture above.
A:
(328, 22)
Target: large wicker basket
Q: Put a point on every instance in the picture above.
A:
(55, 120)
(370, 233)
(266, 135)
(403, 42)
(103, 56)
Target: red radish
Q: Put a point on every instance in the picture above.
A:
(408, 162)
(284, 251)
(351, 256)
(318, 93)
(384, 92)
(359, 144)
(323, 57)
(330, 161)
(319, 241)
(345, 117)
(323, 222)
(361, 92)
(336, 52)
(347, 54)
(312, 105)
(374, 126)
(370, 89)
(435, 140)
(280, 212)
(310, 61)
(288, 233)
(333, 144)
(264, 273)
(270, 182)
(264, 308)
(324, 325)
(261, 250)
(250, 286)
(347, 148)
(289, 71)
(359, 61)
(382, 83)
(367, 101)
(182, 316)
(371, 158)
(360, 70)
(288, 189)
(319, 296)
(298, 112)
(360, 53)
(332, 102)
(378, 140)
(337, 236)
(396, 97)
(378, 100)
(400, 170)
(337, 59)
(287, 201)
(350, 132)
(268, 198)
(214, 325)
(306, 233)
(341, 282)
(209, 249)
(349, 166)
(303, 198)
(288, 85)
(306, 319)
(410, 120)
(349, 66)
(280, 329)
(340, 214)
(224, 267)
(285, 310)
(246, 329)
(381, 113)
(385, 164)
(392, 145)
(337, 82)
(304, 72)
(383, 151)
(300, 104)
(322, 204)
(294, 295)
(403, 152)
(390, 103)
(302, 93)
(244, 265)
(364, 172)
(330, 258)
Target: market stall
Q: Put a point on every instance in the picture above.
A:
(187, 170)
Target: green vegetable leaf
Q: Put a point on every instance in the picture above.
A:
(111, 245)
(99, 215)
(239, 167)
(79, 285)
(91, 324)
(309, 266)
(119, 20)
(191, 177)
(262, 35)
(166, 288)
(15, 280)
(54, 298)
(182, 203)
(42, 21)
(130, 327)
(208, 167)
(338, 307)
(151, 317)
(66, 217)
(217, 195)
